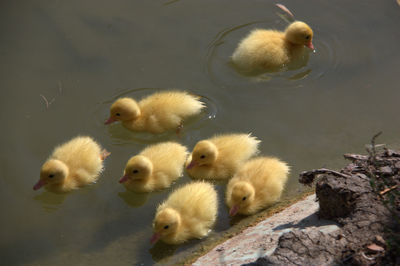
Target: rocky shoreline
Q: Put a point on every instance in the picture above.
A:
(363, 198)
(352, 219)
(262, 238)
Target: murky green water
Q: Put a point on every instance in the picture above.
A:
(82, 55)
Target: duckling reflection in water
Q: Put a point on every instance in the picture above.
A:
(134, 199)
(50, 201)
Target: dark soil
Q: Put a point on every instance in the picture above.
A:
(364, 199)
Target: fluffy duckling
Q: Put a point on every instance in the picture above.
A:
(156, 113)
(156, 167)
(219, 157)
(73, 164)
(189, 212)
(257, 184)
(271, 49)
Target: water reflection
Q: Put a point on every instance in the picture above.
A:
(50, 201)
(212, 50)
(79, 52)
(122, 136)
(133, 199)
(300, 75)
(161, 250)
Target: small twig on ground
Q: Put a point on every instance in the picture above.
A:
(365, 158)
(372, 151)
(307, 177)
(383, 192)
(355, 157)
(373, 141)
(391, 153)
(368, 258)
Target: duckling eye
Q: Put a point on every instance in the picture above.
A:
(118, 114)
(202, 156)
(135, 171)
(244, 198)
(308, 37)
(166, 227)
(51, 176)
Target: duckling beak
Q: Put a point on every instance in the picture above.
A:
(39, 184)
(310, 45)
(191, 165)
(234, 210)
(110, 120)
(124, 179)
(155, 238)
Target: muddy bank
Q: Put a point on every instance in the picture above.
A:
(363, 198)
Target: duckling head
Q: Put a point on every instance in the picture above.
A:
(300, 33)
(242, 196)
(166, 223)
(204, 153)
(52, 172)
(123, 109)
(138, 168)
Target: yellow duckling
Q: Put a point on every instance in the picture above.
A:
(219, 157)
(156, 167)
(189, 212)
(257, 184)
(271, 49)
(73, 164)
(156, 113)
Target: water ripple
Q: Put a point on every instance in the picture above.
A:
(221, 71)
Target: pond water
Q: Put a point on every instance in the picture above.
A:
(81, 56)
